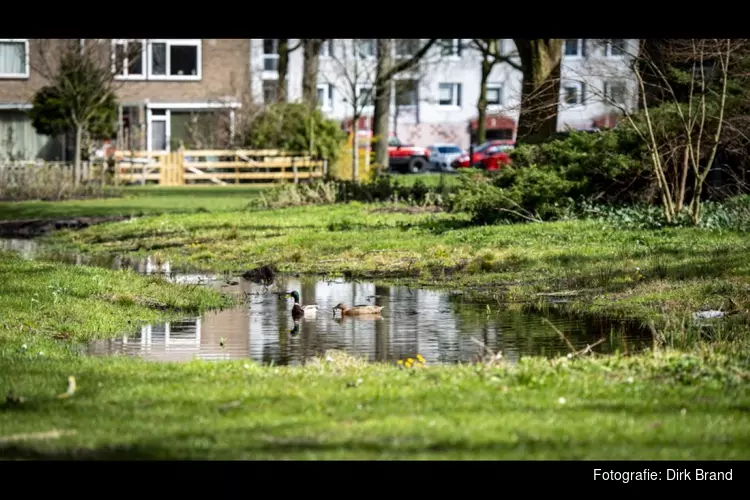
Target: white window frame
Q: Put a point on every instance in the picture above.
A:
(150, 119)
(144, 59)
(580, 101)
(395, 93)
(328, 92)
(25, 74)
(455, 48)
(500, 46)
(374, 42)
(456, 89)
(579, 49)
(608, 91)
(326, 48)
(608, 49)
(360, 88)
(274, 55)
(499, 88)
(403, 56)
(197, 42)
(273, 81)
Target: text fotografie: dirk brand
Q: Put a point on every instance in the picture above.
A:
(669, 475)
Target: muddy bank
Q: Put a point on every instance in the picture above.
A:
(31, 228)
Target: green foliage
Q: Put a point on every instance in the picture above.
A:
(545, 179)
(732, 214)
(79, 95)
(295, 127)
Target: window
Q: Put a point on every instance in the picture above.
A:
(450, 47)
(494, 95)
(175, 59)
(365, 97)
(500, 46)
(450, 94)
(615, 93)
(269, 91)
(128, 59)
(365, 47)
(158, 137)
(406, 47)
(615, 47)
(573, 47)
(325, 48)
(406, 92)
(325, 95)
(14, 58)
(270, 54)
(573, 93)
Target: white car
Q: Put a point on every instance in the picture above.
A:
(442, 155)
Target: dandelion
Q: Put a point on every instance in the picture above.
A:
(400, 362)
(561, 401)
(420, 358)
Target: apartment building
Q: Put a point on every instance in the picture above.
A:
(163, 86)
(437, 101)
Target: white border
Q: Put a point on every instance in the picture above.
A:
(196, 42)
(113, 57)
(24, 75)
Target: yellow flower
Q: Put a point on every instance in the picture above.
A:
(410, 361)
(420, 358)
(400, 362)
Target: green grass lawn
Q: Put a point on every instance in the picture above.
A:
(641, 273)
(138, 200)
(656, 406)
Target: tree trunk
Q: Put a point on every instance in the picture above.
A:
(77, 161)
(311, 52)
(683, 180)
(540, 94)
(382, 103)
(355, 150)
(482, 103)
(283, 52)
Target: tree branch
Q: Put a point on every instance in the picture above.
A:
(404, 65)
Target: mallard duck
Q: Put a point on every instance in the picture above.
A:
(357, 310)
(298, 311)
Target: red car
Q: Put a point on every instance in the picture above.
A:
(489, 155)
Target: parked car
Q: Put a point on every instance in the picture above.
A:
(442, 155)
(479, 153)
(494, 157)
(406, 157)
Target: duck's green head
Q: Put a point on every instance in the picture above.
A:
(294, 295)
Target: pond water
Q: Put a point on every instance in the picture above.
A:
(443, 327)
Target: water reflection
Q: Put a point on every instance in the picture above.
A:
(438, 325)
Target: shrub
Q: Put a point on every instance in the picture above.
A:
(546, 180)
(295, 127)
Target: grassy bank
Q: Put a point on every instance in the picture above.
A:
(136, 201)
(42, 301)
(661, 407)
(641, 273)
(665, 405)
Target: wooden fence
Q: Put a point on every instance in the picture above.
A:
(215, 166)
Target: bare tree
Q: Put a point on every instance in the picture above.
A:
(354, 76)
(385, 73)
(284, 49)
(490, 49)
(82, 85)
(682, 128)
(311, 48)
(540, 91)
